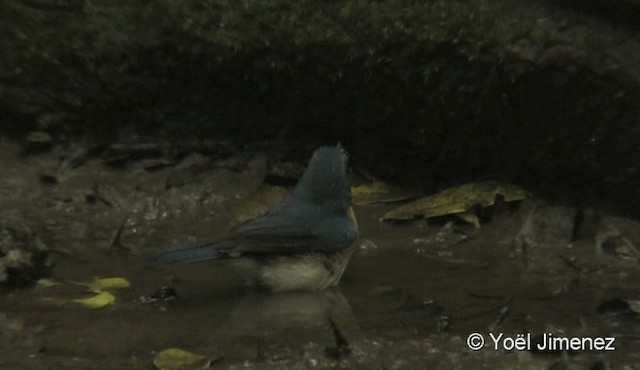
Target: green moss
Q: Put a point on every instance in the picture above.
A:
(225, 65)
(467, 88)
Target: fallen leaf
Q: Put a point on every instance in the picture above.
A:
(47, 283)
(457, 200)
(469, 217)
(179, 359)
(99, 300)
(377, 192)
(108, 283)
(376, 187)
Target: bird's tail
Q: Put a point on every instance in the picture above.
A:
(189, 254)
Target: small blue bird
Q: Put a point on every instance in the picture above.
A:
(301, 244)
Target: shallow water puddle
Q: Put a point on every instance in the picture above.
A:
(409, 299)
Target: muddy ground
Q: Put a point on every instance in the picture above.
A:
(409, 299)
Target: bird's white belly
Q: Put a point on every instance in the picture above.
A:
(307, 272)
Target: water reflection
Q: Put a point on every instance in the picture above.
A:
(271, 325)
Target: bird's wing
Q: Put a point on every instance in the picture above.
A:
(272, 234)
(188, 254)
(275, 234)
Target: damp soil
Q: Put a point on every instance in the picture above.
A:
(410, 297)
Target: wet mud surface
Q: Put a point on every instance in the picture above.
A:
(409, 299)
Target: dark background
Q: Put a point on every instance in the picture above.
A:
(425, 93)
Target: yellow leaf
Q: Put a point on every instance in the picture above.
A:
(99, 300)
(376, 187)
(377, 192)
(459, 199)
(469, 217)
(108, 283)
(47, 283)
(179, 359)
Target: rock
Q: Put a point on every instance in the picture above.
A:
(548, 226)
(24, 258)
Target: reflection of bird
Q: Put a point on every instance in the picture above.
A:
(302, 243)
(271, 322)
